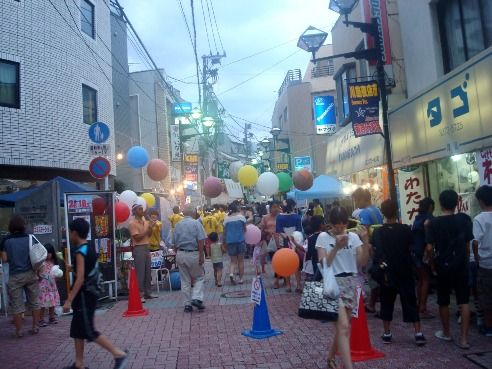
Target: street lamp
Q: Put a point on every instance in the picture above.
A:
(196, 113)
(311, 40)
(345, 7)
(208, 122)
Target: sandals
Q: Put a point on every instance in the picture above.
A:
(42, 323)
(18, 334)
(332, 364)
(53, 321)
(463, 346)
(34, 331)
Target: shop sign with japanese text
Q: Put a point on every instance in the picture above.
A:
(411, 189)
(364, 108)
(484, 163)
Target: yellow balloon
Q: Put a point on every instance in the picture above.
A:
(149, 199)
(247, 175)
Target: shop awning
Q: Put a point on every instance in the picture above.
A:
(324, 187)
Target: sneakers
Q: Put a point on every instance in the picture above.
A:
(198, 304)
(188, 309)
(121, 362)
(440, 335)
(420, 339)
(387, 338)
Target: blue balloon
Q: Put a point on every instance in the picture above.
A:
(137, 157)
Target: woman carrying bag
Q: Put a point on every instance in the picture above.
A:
(343, 252)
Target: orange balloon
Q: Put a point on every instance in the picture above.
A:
(285, 262)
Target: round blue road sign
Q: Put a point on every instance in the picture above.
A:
(98, 132)
(99, 167)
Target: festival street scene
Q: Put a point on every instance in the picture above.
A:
(219, 184)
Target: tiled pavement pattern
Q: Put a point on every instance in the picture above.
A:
(169, 338)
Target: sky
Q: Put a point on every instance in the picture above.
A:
(246, 27)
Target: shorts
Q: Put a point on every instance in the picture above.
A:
(218, 266)
(457, 280)
(82, 326)
(348, 291)
(19, 283)
(472, 274)
(408, 301)
(236, 249)
(485, 288)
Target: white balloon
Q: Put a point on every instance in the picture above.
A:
(141, 201)
(234, 170)
(267, 184)
(128, 197)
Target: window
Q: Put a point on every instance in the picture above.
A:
(344, 75)
(466, 29)
(89, 101)
(9, 84)
(87, 18)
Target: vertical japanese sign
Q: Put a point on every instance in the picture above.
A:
(98, 210)
(411, 189)
(175, 143)
(377, 9)
(484, 163)
(364, 108)
(191, 167)
(324, 114)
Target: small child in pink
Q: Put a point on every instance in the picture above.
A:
(49, 297)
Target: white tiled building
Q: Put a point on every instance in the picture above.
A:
(55, 80)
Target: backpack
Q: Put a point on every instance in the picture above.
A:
(94, 282)
(453, 255)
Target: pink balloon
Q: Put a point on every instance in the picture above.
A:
(303, 180)
(252, 235)
(212, 187)
(157, 170)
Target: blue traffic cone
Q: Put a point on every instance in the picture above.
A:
(261, 321)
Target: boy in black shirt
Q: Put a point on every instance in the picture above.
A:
(449, 236)
(83, 302)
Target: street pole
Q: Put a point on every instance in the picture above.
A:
(384, 106)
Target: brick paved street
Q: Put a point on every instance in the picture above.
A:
(169, 338)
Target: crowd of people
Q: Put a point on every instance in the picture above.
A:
(370, 252)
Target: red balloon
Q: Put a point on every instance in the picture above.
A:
(303, 180)
(157, 170)
(122, 212)
(285, 262)
(212, 187)
(98, 206)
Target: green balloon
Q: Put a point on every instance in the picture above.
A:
(284, 182)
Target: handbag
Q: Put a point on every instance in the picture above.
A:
(37, 252)
(94, 283)
(330, 285)
(272, 245)
(315, 305)
(379, 268)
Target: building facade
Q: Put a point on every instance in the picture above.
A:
(55, 80)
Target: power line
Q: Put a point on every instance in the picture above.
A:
(206, 27)
(196, 53)
(211, 27)
(216, 27)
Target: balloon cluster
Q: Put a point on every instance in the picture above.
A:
(126, 200)
(138, 157)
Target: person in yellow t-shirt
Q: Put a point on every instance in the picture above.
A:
(318, 209)
(155, 236)
(219, 216)
(176, 217)
(210, 225)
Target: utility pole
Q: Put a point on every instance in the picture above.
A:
(247, 147)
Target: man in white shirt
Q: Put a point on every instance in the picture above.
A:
(482, 250)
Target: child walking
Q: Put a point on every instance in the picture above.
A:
(217, 251)
(49, 297)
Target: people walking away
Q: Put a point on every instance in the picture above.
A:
(482, 250)
(234, 231)
(175, 217)
(344, 252)
(156, 229)
(287, 223)
(318, 209)
(82, 302)
(49, 298)
(392, 268)
(311, 259)
(217, 251)
(189, 243)
(140, 231)
(420, 224)
(22, 278)
(448, 237)
(210, 225)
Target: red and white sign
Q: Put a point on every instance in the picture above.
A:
(42, 229)
(484, 163)
(411, 188)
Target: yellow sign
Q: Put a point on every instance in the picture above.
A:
(359, 91)
(282, 166)
(191, 158)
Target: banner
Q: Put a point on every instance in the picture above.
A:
(324, 115)
(377, 9)
(191, 167)
(364, 108)
(175, 143)
(484, 163)
(98, 210)
(411, 190)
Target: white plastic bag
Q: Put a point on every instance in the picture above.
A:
(330, 285)
(37, 252)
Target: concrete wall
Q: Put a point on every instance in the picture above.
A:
(55, 58)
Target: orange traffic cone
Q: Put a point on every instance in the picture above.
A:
(360, 342)
(135, 307)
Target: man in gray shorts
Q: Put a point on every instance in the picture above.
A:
(189, 242)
